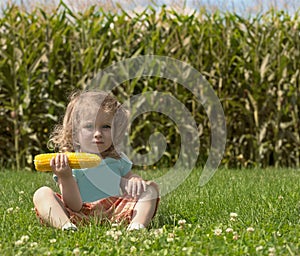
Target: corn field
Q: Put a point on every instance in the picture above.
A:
(252, 64)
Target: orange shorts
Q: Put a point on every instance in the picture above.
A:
(113, 209)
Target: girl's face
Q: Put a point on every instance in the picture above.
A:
(95, 135)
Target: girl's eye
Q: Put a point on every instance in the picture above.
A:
(106, 127)
(88, 126)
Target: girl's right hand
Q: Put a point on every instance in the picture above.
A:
(60, 165)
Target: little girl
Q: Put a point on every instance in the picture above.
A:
(95, 122)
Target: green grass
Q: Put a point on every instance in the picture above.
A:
(266, 200)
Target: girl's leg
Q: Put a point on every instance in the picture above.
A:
(144, 208)
(50, 208)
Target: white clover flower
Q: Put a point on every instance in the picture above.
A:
(229, 230)
(115, 234)
(218, 231)
(3, 29)
(33, 244)
(52, 241)
(259, 248)
(133, 239)
(158, 232)
(115, 237)
(271, 250)
(10, 209)
(233, 215)
(181, 222)
(250, 229)
(19, 242)
(280, 197)
(133, 249)
(187, 250)
(21, 192)
(170, 239)
(110, 233)
(171, 235)
(147, 242)
(17, 209)
(118, 233)
(25, 238)
(76, 251)
(235, 237)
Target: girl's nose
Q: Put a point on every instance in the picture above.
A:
(97, 134)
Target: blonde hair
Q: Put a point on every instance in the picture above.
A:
(65, 136)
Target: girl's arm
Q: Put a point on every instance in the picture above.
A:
(70, 193)
(67, 184)
(133, 184)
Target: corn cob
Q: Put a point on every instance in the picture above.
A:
(76, 161)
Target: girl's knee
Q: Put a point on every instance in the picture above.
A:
(150, 193)
(41, 194)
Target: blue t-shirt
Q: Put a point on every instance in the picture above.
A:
(101, 181)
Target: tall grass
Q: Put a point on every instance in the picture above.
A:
(248, 8)
(267, 204)
(252, 64)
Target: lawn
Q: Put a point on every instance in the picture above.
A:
(239, 212)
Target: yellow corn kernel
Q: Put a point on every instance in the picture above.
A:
(76, 160)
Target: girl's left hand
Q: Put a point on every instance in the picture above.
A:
(134, 186)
